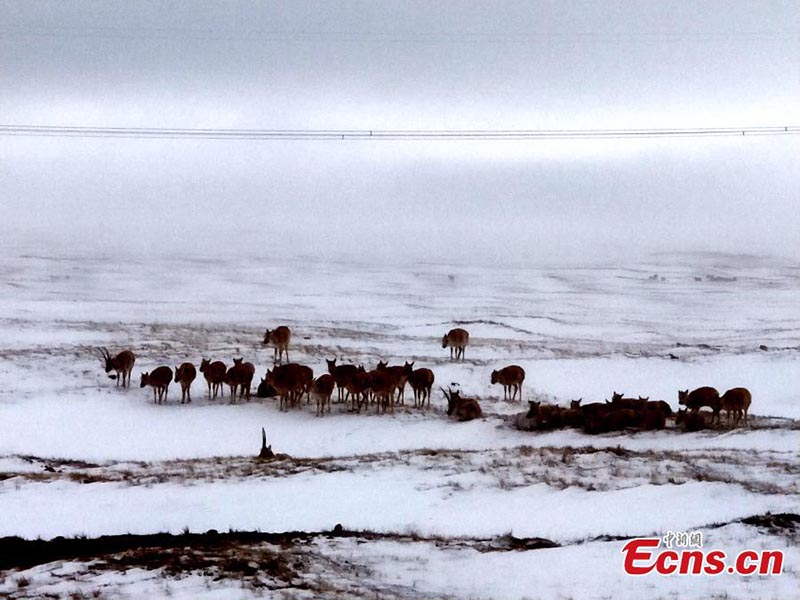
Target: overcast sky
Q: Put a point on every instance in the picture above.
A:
(403, 65)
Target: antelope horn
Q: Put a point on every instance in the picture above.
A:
(446, 395)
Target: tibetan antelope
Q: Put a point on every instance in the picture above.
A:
(421, 381)
(290, 381)
(400, 377)
(343, 375)
(511, 378)
(279, 338)
(702, 396)
(185, 375)
(121, 364)
(240, 376)
(159, 379)
(736, 401)
(321, 390)
(383, 383)
(214, 373)
(456, 339)
(464, 409)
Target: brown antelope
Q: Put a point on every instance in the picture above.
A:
(511, 379)
(240, 376)
(702, 396)
(343, 376)
(691, 421)
(421, 381)
(159, 379)
(214, 373)
(321, 390)
(185, 375)
(359, 387)
(619, 401)
(290, 381)
(464, 409)
(121, 364)
(400, 377)
(456, 339)
(736, 401)
(383, 383)
(279, 338)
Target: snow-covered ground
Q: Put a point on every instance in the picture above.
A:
(79, 456)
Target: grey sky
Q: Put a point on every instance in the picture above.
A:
(403, 65)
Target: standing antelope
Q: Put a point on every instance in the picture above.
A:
(214, 373)
(702, 396)
(240, 376)
(159, 380)
(421, 381)
(511, 378)
(279, 338)
(399, 377)
(321, 390)
(121, 364)
(290, 381)
(456, 339)
(736, 401)
(343, 375)
(185, 375)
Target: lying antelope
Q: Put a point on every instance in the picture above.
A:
(214, 374)
(736, 401)
(464, 409)
(185, 375)
(702, 396)
(279, 338)
(121, 364)
(456, 339)
(511, 378)
(159, 379)
(690, 420)
(421, 381)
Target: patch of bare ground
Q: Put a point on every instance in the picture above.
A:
(290, 562)
(590, 468)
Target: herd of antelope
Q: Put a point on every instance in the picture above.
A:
(641, 413)
(384, 387)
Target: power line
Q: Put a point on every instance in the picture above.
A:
(387, 134)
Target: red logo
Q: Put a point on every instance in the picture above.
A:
(642, 556)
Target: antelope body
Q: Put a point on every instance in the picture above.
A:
(159, 379)
(456, 339)
(421, 381)
(464, 409)
(121, 364)
(702, 396)
(279, 338)
(736, 401)
(343, 375)
(399, 377)
(321, 390)
(240, 377)
(511, 379)
(290, 382)
(214, 374)
(185, 375)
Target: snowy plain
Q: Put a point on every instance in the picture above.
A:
(78, 456)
